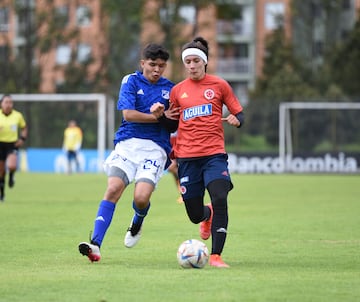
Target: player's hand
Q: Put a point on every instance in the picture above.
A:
(19, 143)
(157, 109)
(173, 113)
(232, 120)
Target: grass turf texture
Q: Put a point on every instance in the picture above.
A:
(291, 238)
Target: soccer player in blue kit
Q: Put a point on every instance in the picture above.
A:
(142, 148)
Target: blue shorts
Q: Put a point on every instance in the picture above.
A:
(196, 174)
(71, 155)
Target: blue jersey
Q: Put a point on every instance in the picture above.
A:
(137, 93)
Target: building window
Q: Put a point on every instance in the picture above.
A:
(83, 52)
(83, 15)
(229, 12)
(63, 54)
(234, 19)
(62, 16)
(318, 48)
(20, 52)
(25, 17)
(316, 10)
(59, 84)
(187, 14)
(234, 50)
(346, 4)
(25, 21)
(344, 34)
(4, 53)
(22, 20)
(25, 3)
(237, 21)
(4, 19)
(241, 90)
(274, 15)
(234, 58)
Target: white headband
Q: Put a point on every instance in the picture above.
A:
(194, 52)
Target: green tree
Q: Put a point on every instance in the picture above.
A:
(54, 31)
(123, 26)
(281, 81)
(18, 73)
(345, 63)
(279, 56)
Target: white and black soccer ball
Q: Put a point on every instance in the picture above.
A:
(192, 253)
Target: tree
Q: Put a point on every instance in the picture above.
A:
(345, 63)
(279, 55)
(175, 27)
(18, 73)
(53, 29)
(123, 19)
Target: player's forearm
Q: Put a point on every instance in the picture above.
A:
(241, 117)
(169, 124)
(24, 133)
(138, 117)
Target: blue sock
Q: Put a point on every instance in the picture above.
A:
(102, 221)
(140, 214)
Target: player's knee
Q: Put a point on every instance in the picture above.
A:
(195, 213)
(218, 191)
(196, 218)
(112, 194)
(219, 200)
(114, 189)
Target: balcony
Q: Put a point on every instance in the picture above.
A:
(4, 27)
(234, 65)
(234, 27)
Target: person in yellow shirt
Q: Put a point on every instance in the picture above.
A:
(73, 137)
(12, 123)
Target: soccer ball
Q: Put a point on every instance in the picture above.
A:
(192, 253)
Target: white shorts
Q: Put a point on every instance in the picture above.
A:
(139, 159)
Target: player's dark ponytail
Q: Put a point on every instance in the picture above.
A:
(200, 43)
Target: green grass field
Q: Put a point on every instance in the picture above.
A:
(290, 238)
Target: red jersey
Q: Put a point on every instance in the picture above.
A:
(200, 131)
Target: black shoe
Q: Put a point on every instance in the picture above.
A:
(11, 182)
(2, 196)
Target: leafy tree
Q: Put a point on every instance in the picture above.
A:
(281, 80)
(18, 74)
(345, 63)
(123, 26)
(174, 30)
(278, 55)
(53, 30)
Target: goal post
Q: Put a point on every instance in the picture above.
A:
(285, 137)
(100, 99)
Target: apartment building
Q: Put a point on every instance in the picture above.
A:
(84, 18)
(70, 29)
(236, 36)
(309, 26)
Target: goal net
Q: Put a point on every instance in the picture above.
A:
(98, 101)
(319, 128)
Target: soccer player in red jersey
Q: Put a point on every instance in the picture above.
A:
(200, 147)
